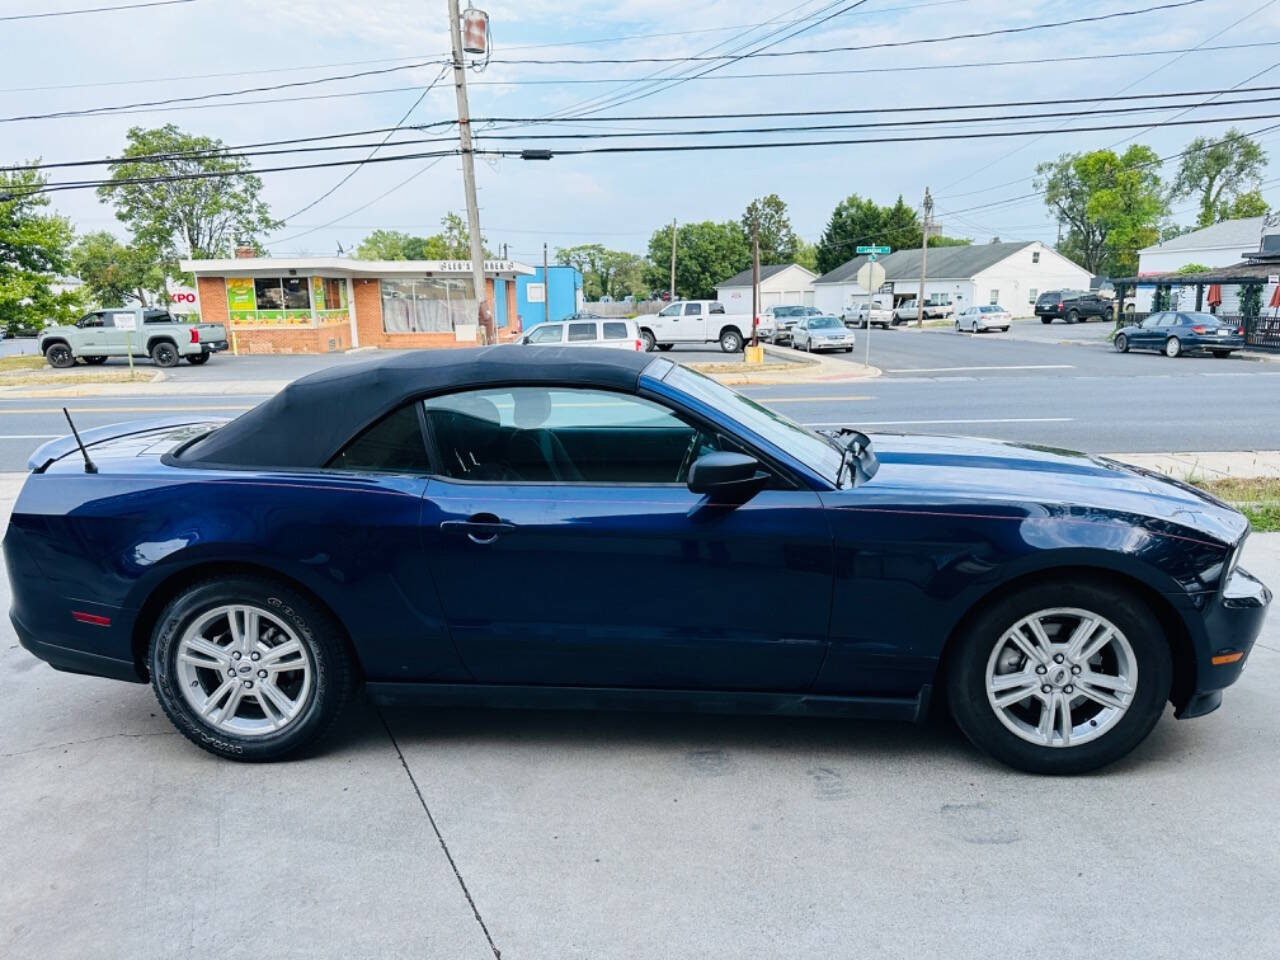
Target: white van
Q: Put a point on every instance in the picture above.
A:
(695, 321)
(619, 332)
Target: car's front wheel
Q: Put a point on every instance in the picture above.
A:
(247, 668)
(646, 336)
(1060, 678)
(1122, 343)
(59, 355)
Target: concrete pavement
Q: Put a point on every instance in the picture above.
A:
(552, 836)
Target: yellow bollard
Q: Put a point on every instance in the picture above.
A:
(753, 355)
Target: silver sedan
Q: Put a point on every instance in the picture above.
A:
(821, 333)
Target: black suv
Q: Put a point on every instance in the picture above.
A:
(1072, 306)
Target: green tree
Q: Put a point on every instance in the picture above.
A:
(1187, 269)
(856, 221)
(707, 253)
(1250, 299)
(456, 237)
(195, 199)
(34, 250)
(616, 273)
(806, 255)
(778, 243)
(1111, 204)
(395, 245)
(1219, 173)
(1247, 204)
(114, 272)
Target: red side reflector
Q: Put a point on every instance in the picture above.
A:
(1223, 659)
(92, 618)
(639, 345)
(195, 335)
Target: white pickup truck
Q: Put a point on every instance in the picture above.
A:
(142, 331)
(695, 321)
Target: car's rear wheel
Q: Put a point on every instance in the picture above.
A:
(247, 668)
(1073, 316)
(1222, 354)
(1173, 347)
(649, 340)
(164, 354)
(1061, 677)
(59, 355)
(1046, 319)
(1121, 343)
(730, 341)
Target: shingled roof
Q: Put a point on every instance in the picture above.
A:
(743, 279)
(945, 263)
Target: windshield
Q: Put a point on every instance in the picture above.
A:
(801, 442)
(825, 323)
(788, 311)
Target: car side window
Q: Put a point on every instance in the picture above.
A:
(716, 308)
(580, 332)
(1168, 319)
(615, 330)
(692, 309)
(547, 333)
(90, 320)
(1150, 321)
(671, 311)
(394, 444)
(540, 434)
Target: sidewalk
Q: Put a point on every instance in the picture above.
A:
(1207, 465)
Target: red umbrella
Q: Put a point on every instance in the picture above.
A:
(1275, 298)
(1215, 295)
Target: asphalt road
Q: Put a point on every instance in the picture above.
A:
(1077, 396)
(539, 835)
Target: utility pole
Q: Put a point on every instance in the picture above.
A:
(755, 283)
(546, 287)
(673, 258)
(924, 257)
(484, 316)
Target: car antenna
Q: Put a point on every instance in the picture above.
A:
(88, 464)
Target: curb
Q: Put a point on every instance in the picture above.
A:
(797, 368)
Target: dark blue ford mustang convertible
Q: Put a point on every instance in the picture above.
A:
(590, 528)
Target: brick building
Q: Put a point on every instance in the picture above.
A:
(324, 304)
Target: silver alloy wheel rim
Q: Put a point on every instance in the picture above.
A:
(243, 670)
(1172, 348)
(1061, 677)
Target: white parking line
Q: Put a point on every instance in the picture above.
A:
(1029, 366)
(884, 423)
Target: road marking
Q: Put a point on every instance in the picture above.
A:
(29, 436)
(881, 423)
(1029, 366)
(15, 411)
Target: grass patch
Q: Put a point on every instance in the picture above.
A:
(21, 362)
(1258, 498)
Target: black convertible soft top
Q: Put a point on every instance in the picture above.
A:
(310, 420)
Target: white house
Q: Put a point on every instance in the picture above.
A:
(1220, 245)
(780, 283)
(1009, 274)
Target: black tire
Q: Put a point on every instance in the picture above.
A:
(650, 343)
(664, 347)
(198, 358)
(1222, 354)
(974, 714)
(1121, 343)
(320, 636)
(1046, 319)
(1073, 316)
(848, 349)
(1173, 348)
(731, 341)
(94, 361)
(165, 354)
(59, 355)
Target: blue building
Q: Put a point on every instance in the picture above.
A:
(563, 295)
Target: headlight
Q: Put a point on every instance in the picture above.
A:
(1232, 559)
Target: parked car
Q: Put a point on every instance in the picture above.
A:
(776, 321)
(823, 332)
(938, 306)
(872, 314)
(1174, 333)
(379, 520)
(983, 317)
(696, 321)
(905, 312)
(141, 331)
(621, 333)
(1073, 306)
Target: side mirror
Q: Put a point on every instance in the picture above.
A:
(729, 475)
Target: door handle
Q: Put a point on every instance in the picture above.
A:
(479, 529)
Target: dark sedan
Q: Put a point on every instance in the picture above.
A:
(580, 528)
(1174, 333)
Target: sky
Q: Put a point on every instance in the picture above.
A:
(73, 62)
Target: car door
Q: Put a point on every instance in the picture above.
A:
(546, 334)
(89, 342)
(1146, 335)
(665, 324)
(800, 332)
(693, 325)
(567, 549)
(118, 338)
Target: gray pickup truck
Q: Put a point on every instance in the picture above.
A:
(142, 331)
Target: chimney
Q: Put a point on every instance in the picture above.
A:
(245, 253)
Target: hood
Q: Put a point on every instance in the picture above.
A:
(973, 470)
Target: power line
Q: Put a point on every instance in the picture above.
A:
(977, 35)
(248, 150)
(390, 133)
(71, 13)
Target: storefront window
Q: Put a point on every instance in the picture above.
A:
(296, 295)
(269, 294)
(268, 301)
(434, 305)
